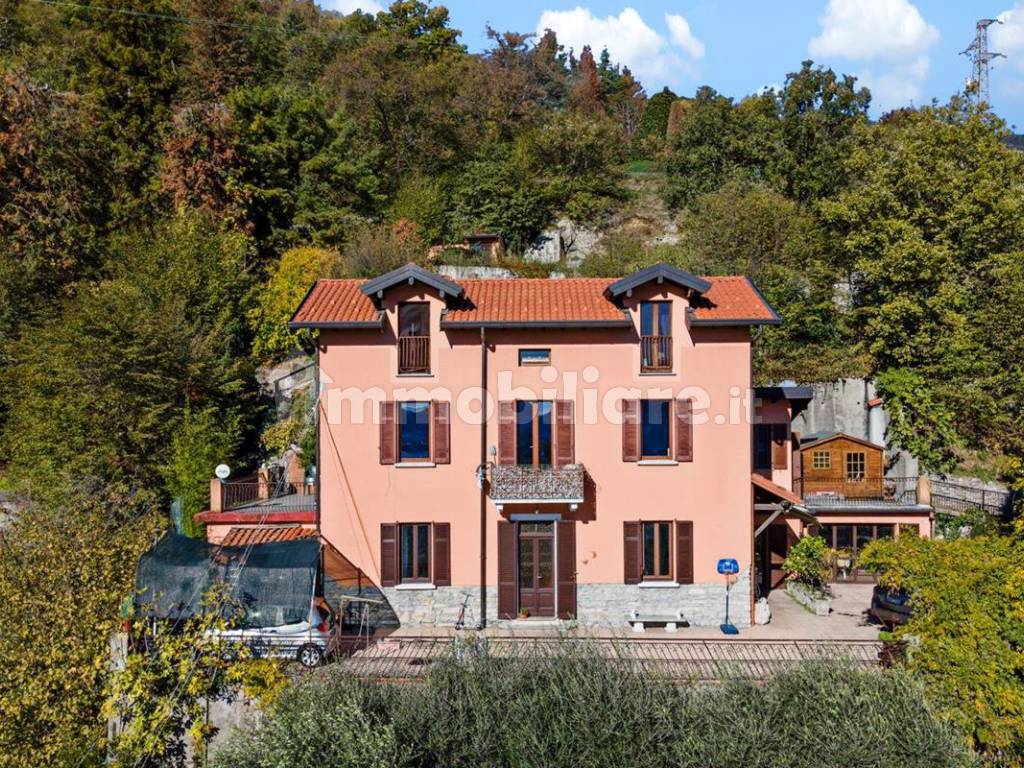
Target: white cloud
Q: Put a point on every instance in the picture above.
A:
(683, 37)
(351, 6)
(630, 41)
(1008, 38)
(889, 38)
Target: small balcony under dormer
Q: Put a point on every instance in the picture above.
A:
(529, 484)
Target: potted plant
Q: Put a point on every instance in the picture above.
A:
(808, 568)
(523, 613)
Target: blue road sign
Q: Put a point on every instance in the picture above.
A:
(728, 566)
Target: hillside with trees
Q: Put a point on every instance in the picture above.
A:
(175, 173)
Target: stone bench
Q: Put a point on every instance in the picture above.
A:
(639, 621)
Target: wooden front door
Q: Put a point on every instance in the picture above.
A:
(777, 540)
(536, 565)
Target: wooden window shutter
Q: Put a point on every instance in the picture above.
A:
(442, 554)
(684, 430)
(566, 569)
(633, 560)
(631, 430)
(506, 570)
(684, 552)
(507, 432)
(780, 446)
(441, 433)
(388, 432)
(565, 433)
(388, 554)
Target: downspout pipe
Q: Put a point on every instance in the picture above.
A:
(482, 478)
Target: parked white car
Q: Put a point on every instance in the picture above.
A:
(308, 642)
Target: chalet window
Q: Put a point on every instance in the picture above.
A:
(414, 431)
(534, 432)
(655, 429)
(414, 552)
(414, 337)
(762, 446)
(657, 549)
(821, 460)
(855, 465)
(534, 356)
(655, 336)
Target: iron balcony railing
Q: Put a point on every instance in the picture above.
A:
(414, 354)
(888, 490)
(512, 483)
(253, 496)
(655, 353)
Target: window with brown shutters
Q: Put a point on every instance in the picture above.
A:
(684, 552)
(780, 446)
(631, 555)
(441, 449)
(387, 432)
(507, 432)
(506, 570)
(442, 555)
(630, 430)
(567, 569)
(388, 554)
(565, 433)
(684, 430)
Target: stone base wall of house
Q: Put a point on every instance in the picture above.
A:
(702, 605)
(598, 605)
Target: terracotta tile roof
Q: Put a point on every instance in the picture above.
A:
(336, 301)
(265, 534)
(732, 298)
(762, 482)
(535, 301)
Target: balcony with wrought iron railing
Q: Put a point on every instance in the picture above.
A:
(894, 491)
(264, 497)
(414, 354)
(655, 354)
(523, 484)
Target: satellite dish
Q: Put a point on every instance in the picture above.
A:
(222, 471)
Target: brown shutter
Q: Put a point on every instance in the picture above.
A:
(631, 540)
(684, 430)
(387, 432)
(567, 569)
(388, 554)
(442, 555)
(565, 433)
(506, 570)
(684, 552)
(507, 432)
(441, 433)
(780, 446)
(631, 430)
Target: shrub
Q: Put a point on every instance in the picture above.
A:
(967, 630)
(576, 708)
(809, 562)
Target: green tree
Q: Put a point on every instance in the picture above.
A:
(965, 631)
(65, 566)
(98, 388)
(204, 439)
(651, 134)
(281, 295)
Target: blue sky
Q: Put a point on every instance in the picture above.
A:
(906, 51)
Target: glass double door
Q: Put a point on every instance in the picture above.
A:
(536, 565)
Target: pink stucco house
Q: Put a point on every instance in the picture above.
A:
(564, 449)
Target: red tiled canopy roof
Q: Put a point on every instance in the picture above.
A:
(582, 301)
(266, 534)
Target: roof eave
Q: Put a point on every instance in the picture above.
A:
(411, 273)
(735, 321)
(456, 324)
(659, 273)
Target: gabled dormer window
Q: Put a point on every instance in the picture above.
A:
(414, 337)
